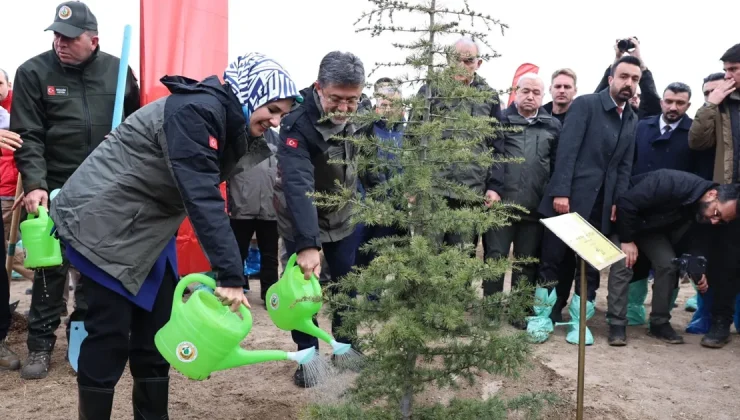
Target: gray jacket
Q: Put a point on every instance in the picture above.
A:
(250, 193)
(126, 201)
(524, 183)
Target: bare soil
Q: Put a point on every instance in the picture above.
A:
(645, 380)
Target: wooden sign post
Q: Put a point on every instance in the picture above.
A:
(593, 248)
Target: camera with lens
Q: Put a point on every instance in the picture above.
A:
(692, 266)
(626, 45)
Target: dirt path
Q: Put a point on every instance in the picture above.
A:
(645, 380)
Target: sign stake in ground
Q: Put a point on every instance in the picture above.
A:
(596, 249)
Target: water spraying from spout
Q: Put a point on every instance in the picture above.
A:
(302, 357)
(339, 348)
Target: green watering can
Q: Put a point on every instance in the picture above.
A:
(42, 248)
(203, 336)
(293, 302)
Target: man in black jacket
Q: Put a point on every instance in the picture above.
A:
(592, 169)
(656, 216)
(563, 90)
(467, 56)
(63, 109)
(523, 183)
(307, 143)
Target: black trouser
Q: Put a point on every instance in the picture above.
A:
(47, 303)
(340, 256)
(267, 241)
(723, 269)
(558, 263)
(5, 315)
(367, 233)
(119, 331)
(527, 237)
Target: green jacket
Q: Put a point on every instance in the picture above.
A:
(63, 113)
(471, 175)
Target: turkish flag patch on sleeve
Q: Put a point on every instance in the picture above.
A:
(212, 143)
(291, 142)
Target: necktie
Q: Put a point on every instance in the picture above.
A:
(667, 130)
(619, 111)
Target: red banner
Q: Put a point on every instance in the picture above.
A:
(523, 69)
(187, 38)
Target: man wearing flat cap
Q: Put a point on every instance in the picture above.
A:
(62, 109)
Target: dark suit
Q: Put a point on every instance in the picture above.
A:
(656, 150)
(592, 168)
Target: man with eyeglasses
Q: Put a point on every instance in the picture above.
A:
(657, 215)
(308, 141)
(467, 59)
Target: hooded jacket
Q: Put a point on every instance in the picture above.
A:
(250, 192)
(163, 163)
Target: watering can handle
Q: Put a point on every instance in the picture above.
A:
(202, 279)
(291, 261)
(291, 264)
(42, 214)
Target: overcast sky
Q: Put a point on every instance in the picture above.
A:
(680, 42)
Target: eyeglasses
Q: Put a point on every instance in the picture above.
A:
(338, 101)
(468, 60)
(717, 215)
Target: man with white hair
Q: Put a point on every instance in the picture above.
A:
(467, 57)
(535, 140)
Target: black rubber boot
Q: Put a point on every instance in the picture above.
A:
(300, 380)
(36, 365)
(150, 398)
(617, 335)
(665, 332)
(718, 335)
(94, 403)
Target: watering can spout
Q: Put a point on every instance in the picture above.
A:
(308, 327)
(241, 357)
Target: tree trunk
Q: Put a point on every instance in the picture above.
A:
(428, 108)
(408, 393)
(406, 402)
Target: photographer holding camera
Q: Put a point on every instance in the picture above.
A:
(657, 216)
(648, 103)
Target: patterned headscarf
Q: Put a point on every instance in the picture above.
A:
(257, 79)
